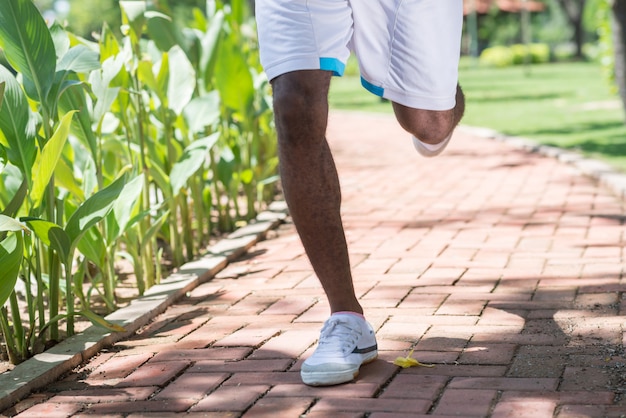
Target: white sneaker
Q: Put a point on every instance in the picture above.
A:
(346, 342)
(430, 150)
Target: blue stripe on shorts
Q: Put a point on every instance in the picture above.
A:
(332, 64)
(377, 90)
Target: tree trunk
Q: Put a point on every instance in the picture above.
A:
(619, 45)
(574, 11)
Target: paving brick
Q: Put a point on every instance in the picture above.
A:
(216, 366)
(525, 408)
(331, 406)
(585, 378)
(504, 383)
(150, 406)
(119, 367)
(279, 407)
(465, 402)
(479, 353)
(217, 353)
(154, 374)
(269, 378)
(50, 409)
(252, 335)
(231, 398)
(586, 411)
(191, 386)
(405, 386)
(352, 390)
(104, 394)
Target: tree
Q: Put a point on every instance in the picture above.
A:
(618, 18)
(574, 10)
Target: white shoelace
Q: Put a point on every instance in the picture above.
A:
(338, 333)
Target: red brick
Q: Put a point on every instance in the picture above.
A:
(119, 366)
(154, 374)
(50, 410)
(217, 353)
(504, 383)
(231, 398)
(103, 394)
(525, 408)
(487, 353)
(335, 405)
(279, 407)
(276, 378)
(192, 386)
(215, 366)
(350, 390)
(465, 402)
(414, 387)
(151, 406)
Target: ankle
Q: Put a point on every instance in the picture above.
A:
(357, 314)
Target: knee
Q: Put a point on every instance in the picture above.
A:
(298, 96)
(431, 126)
(428, 126)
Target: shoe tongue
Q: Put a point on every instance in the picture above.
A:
(337, 329)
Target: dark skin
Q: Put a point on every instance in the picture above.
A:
(309, 176)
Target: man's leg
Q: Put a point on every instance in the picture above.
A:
(312, 191)
(431, 127)
(310, 181)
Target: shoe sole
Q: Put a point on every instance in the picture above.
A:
(331, 379)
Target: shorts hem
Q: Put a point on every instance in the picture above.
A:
(334, 65)
(410, 100)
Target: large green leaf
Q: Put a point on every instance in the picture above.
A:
(47, 160)
(17, 132)
(192, 159)
(210, 48)
(52, 235)
(100, 85)
(64, 177)
(163, 31)
(60, 39)
(93, 210)
(234, 79)
(27, 44)
(10, 224)
(133, 16)
(75, 98)
(99, 321)
(2, 85)
(80, 59)
(202, 111)
(11, 253)
(182, 82)
(123, 209)
(16, 202)
(92, 246)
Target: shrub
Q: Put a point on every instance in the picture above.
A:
(503, 56)
(497, 56)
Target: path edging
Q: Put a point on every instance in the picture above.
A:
(47, 367)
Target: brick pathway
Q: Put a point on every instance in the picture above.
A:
(504, 269)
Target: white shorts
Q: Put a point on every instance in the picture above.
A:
(408, 50)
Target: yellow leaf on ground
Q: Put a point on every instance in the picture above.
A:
(408, 361)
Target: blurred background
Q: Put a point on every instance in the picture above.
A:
(544, 69)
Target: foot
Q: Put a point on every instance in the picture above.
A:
(346, 342)
(430, 150)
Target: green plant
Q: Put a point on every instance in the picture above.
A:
(134, 147)
(503, 56)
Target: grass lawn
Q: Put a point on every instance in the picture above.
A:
(569, 105)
